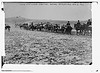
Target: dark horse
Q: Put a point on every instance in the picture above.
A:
(7, 27)
(32, 27)
(62, 29)
(48, 26)
(83, 29)
(87, 29)
(78, 28)
(24, 26)
(55, 27)
(68, 29)
(40, 26)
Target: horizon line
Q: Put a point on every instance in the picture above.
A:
(47, 19)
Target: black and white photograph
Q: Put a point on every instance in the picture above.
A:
(48, 33)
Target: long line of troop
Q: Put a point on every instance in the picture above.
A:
(81, 29)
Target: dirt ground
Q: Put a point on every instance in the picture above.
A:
(37, 47)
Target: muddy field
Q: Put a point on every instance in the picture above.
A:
(36, 47)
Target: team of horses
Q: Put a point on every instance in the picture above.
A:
(81, 29)
(47, 27)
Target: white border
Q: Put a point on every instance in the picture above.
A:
(63, 68)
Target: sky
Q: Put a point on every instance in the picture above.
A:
(49, 11)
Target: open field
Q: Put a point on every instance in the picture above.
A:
(36, 47)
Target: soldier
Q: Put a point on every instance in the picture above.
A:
(68, 23)
(68, 28)
(89, 22)
(78, 23)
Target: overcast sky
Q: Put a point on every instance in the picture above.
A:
(53, 12)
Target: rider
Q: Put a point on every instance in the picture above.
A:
(68, 28)
(68, 24)
(78, 23)
(89, 22)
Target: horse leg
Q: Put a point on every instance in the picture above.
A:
(8, 29)
(32, 28)
(70, 32)
(80, 32)
(85, 32)
(62, 30)
(5, 28)
(76, 32)
(90, 32)
(20, 27)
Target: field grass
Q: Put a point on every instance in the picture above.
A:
(35, 47)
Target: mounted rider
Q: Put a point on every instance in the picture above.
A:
(68, 24)
(68, 28)
(78, 23)
(89, 22)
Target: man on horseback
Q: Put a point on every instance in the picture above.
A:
(68, 28)
(89, 22)
(63, 28)
(78, 23)
(78, 27)
(68, 24)
(31, 26)
(88, 27)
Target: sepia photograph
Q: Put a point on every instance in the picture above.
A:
(48, 33)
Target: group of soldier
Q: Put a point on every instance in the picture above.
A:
(84, 28)
(67, 28)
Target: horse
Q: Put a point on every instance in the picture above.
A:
(78, 28)
(7, 27)
(20, 26)
(32, 27)
(68, 29)
(87, 29)
(39, 26)
(25, 26)
(48, 26)
(56, 27)
(62, 29)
